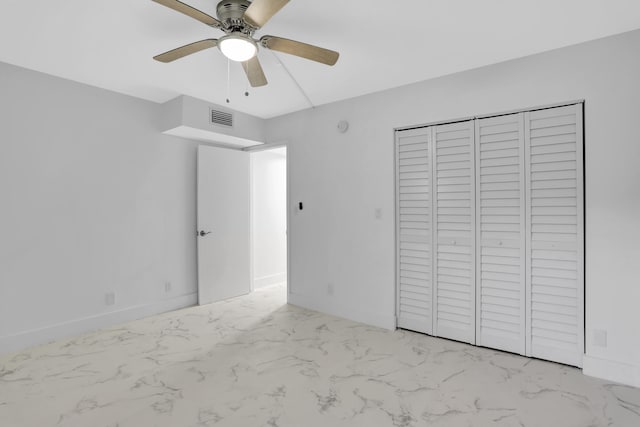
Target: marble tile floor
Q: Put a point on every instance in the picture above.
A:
(256, 361)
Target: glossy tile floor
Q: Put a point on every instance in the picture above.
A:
(254, 361)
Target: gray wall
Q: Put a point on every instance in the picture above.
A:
(93, 200)
(342, 178)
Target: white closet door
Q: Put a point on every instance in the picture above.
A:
(413, 212)
(454, 225)
(555, 243)
(500, 233)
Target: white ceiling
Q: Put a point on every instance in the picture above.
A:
(383, 44)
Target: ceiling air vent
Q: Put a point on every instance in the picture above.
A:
(221, 118)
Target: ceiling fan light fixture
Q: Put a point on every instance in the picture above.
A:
(238, 47)
(239, 19)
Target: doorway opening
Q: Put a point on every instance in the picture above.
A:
(269, 220)
(242, 222)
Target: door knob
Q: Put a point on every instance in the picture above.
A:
(204, 233)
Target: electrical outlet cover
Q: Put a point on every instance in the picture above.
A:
(110, 298)
(600, 337)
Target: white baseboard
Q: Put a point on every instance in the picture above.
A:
(274, 279)
(620, 372)
(26, 339)
(351, 313)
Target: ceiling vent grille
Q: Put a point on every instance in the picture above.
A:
(221, 118)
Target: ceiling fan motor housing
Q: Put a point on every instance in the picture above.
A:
(239, 19)
(231, 12)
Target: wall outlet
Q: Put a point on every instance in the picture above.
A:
(378, 213)
(330, 289)
(600, 337)
(110, 298)
(167, 287)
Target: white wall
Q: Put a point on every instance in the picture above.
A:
(343, 178)
(93, 200)
(269, 216)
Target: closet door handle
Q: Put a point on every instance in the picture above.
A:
(204, 233)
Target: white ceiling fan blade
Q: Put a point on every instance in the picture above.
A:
(254, 72)
(303, 50)
(185, 50)
(191, 11)
(261, 11)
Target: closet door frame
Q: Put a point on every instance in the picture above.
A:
(579, 105)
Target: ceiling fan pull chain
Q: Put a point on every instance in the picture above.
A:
(228, 80)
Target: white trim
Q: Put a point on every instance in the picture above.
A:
(22, 340)
(611, 370)
(396, 219)
(478, 236)
(272, 279)
(385, 321)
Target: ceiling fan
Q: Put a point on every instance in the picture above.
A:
(239, 19)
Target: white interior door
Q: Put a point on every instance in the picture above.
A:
(555, 234)
(414, 245)
(500, 233)
(224, 268)
(454, 226)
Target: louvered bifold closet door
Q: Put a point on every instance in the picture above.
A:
(454, 227)
(500, 233)
(555, 243)
(413, 213)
